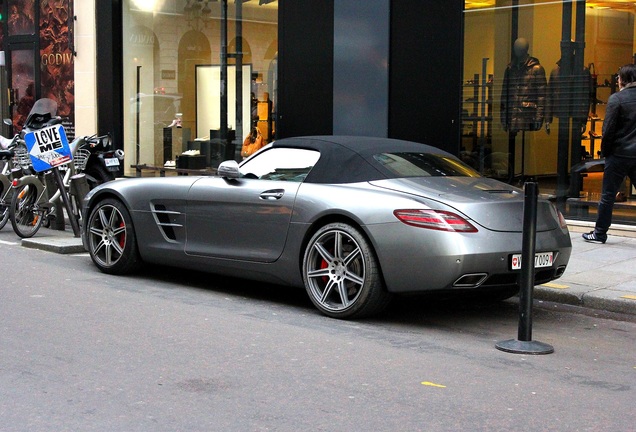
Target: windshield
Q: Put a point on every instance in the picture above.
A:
(423, 165)
(44, 106)
(43, 110)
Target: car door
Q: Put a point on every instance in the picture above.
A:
(247, 218)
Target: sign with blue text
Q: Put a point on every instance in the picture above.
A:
(48, 148)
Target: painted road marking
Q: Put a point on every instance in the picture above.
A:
(629, 297)
(555, 286)
(430, 384)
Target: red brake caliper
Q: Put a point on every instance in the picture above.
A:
(324, 265)
(122, 237)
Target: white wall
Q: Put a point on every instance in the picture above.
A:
(85, 68)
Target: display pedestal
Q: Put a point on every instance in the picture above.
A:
(173, 142)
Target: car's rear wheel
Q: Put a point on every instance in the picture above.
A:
(341, 273)
(111, 239)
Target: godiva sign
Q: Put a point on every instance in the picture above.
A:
(57, 59)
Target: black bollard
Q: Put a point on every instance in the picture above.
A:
(524, 344)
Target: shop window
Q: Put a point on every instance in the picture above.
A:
(175, 57)
(536, 77)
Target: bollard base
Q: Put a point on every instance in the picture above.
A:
(522, 347)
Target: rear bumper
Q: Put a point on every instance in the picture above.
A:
(420, 260)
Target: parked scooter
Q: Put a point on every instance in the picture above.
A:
(103, 161)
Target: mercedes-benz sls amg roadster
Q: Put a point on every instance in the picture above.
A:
(353, 220)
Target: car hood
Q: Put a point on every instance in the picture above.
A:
(490, 203)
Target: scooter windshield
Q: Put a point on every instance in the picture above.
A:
(43, 110)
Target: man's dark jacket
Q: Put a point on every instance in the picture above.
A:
(619, 126)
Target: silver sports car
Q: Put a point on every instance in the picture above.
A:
(354, 220)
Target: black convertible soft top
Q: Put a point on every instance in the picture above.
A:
(349, 159)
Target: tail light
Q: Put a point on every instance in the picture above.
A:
(434, 219)
(562, 221)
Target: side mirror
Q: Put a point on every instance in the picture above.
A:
(7, 122)
(228, 169)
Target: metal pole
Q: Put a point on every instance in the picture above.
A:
(67, 202)
(138, 103)
(482, 119)
(527, 261)
(239, 71)
(564, 79)
(223, 111)
(7, 129)
(524, 343)
(578, 66)
(512, 143)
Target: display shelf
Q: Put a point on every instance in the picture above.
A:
(600, 93)
(477, 103)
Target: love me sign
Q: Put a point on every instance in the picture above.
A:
(48, 148)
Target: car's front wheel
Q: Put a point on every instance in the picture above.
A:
(111, 238)
(341, 273)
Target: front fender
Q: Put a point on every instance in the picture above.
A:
(29, 180)
(35, 182)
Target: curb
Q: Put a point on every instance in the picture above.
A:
(616, 229)
(602, 300)
(61, 244)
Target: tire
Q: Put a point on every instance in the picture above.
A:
(26, 218)
(110, 237)
(97, 174)
(5, 206)
(342, 275)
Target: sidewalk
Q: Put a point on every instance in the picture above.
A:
(599, 276)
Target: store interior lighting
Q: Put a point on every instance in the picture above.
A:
(624, 5)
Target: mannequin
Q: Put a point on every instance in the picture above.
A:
(524, 90)
(559, 95)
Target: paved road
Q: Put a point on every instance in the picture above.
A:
(599, 276)
(168, 351)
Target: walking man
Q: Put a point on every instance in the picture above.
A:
(618, 146)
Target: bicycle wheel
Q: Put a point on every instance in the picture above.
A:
(5, 204)
(26, 218)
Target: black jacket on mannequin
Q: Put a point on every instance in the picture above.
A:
(523, 96)
(569, 98)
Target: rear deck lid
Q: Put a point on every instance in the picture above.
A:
(490, 203)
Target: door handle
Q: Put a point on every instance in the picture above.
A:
(273, 194)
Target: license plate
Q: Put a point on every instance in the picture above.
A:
(111, 162)
(541, 259)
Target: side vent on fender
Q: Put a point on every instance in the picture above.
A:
(166, 220)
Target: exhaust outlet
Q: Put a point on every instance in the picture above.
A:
(471, 280)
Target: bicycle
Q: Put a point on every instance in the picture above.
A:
(33, 204)
(10, 170)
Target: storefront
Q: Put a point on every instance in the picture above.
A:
(536, 78)
(200, 75)
(177, 75)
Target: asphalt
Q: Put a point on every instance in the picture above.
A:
(599, 277)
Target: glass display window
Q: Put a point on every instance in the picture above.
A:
(198, 76)
(537, 75)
